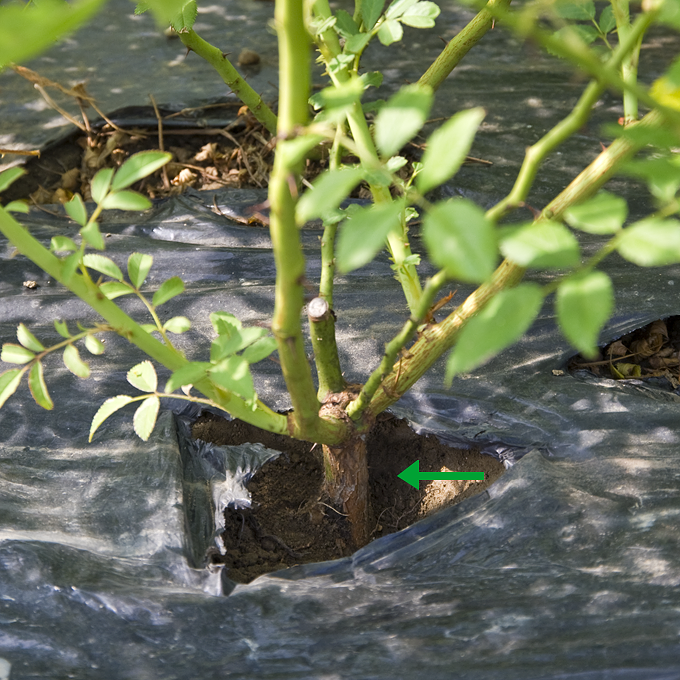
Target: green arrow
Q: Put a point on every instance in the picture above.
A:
(413, 476)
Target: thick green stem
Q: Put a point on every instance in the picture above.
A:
(231, 77)
(129, 329)
(621, 11)
(459, 46)
(568, 126)
(437, 339)
(322, 334)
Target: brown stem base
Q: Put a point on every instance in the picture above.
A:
(346, 485)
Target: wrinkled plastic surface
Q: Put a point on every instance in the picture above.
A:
(567, 567)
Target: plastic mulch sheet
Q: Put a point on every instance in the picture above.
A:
(567, 567)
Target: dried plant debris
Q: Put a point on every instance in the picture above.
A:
(649, 352)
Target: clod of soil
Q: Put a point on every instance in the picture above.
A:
(288, 525)
(649, 352)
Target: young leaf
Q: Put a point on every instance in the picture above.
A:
(573, 9)
(447, 148)
(395, 163)
(177, 325)
(421, 15)
(541, 245)
(651, 243)
(62, 244)
(94, 345)
(225, 323)
(76, 210)
(126, 200)
(390, 31)
(584, 303)
(327, 193)
(138, 268)
(602, 214)
(502, 321)
(106, 409)
(184, 20)
(370, 12)
(28, 340)
(401, 118)
(190, 374)
(342, 96)
(74, 363)
(19, 206)
(398, 7)
(9, 381)
(8, 177)
(145, 416)
(461, 240)
(224, 345)
(102, 264)
(138, 166)
(16, 354)
(100, 184)
(36, 383)
(345, 24)
(234, 375)
(168, 290)
(356, 43)
(114, 289)
(259, 350)
(607, 21)
(296, 150)
(143, 377)
(93, 237)
(364, 233)
(61, 328)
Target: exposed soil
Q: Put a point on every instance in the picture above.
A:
(288, 525)
(649, 352)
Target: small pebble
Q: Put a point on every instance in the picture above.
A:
(248, 57)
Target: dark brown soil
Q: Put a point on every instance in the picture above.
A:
(287, 523)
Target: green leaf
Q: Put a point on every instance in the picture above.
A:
(356, 43)
(61, 328)
(16, 354)
(259, 350)
(371, 79)
(575, 35)
(26, 30)
(661, 174)
(602, 214)
(224, 345)
(651, 242)
(421, 15)
(294, 151)
(168, 290)
(583, 10)
(177, 325)
(190, 374)
(363, 234)
(114, 289)
(607, 21)
(461, 240)
(76, 210)
(8, 177)
(17, 206)
(69, 266)
(100, 185)
(370, 12)
(106, 409)
(62, 244)
(36, 383)
(126, 200)
(9, 381)
(92, 235)
(94, 345)
(74, 363)
(398, 7)
(138, 268)
(233, 374)
(395, 163)
(541, 245)
(138, 166)
(319, 27)
(143, 377)
(447, 148)
(584, 303)
(225, 323)
(327, 193)
(339, 97)
(145, 416)
(402, 117)
(390, 31)
(149, 327)
(502, 321)
(28, 340)
(345, 24)
(102, 264)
